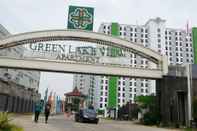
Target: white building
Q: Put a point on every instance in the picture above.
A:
(86, 85)
(27, 79)
(175, 43)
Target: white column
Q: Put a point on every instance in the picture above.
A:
(189, 82)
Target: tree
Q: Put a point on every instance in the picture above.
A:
(152, 114)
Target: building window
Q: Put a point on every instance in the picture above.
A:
(118, 94)
(158, 30)
(118, 88)
(146, 90)
(101, 99)
(176, 33)
(101, 105)
(119, 83)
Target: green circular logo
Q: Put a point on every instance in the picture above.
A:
(80, 18)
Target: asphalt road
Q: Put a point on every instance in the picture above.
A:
(63, 123)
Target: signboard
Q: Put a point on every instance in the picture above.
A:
(77, 52)
(80, 18)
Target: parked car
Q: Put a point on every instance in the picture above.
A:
(86, 115)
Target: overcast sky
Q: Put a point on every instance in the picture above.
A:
(30, 15)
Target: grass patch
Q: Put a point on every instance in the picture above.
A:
(5, 124)
(190, 129)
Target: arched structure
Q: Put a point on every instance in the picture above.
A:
(76, 35)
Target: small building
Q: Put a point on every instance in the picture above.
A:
(74, 100)
(173, 94)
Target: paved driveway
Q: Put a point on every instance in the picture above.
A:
(63, 123)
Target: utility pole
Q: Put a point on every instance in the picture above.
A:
(189, 82)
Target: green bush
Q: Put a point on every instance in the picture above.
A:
(152, 115)
(100, 112)
(5, 123)
(151, 118)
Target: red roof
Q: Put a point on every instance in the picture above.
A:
(75, 92)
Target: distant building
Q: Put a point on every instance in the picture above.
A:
(176, 44)
(21, 87)
(74, 100)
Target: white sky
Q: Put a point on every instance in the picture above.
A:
(29, 15)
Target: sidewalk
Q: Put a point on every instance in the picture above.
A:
(27, 122)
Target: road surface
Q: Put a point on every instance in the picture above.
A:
(63, 123)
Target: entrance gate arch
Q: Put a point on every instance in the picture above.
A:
(81, 67)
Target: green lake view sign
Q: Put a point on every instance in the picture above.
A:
(80, 18)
